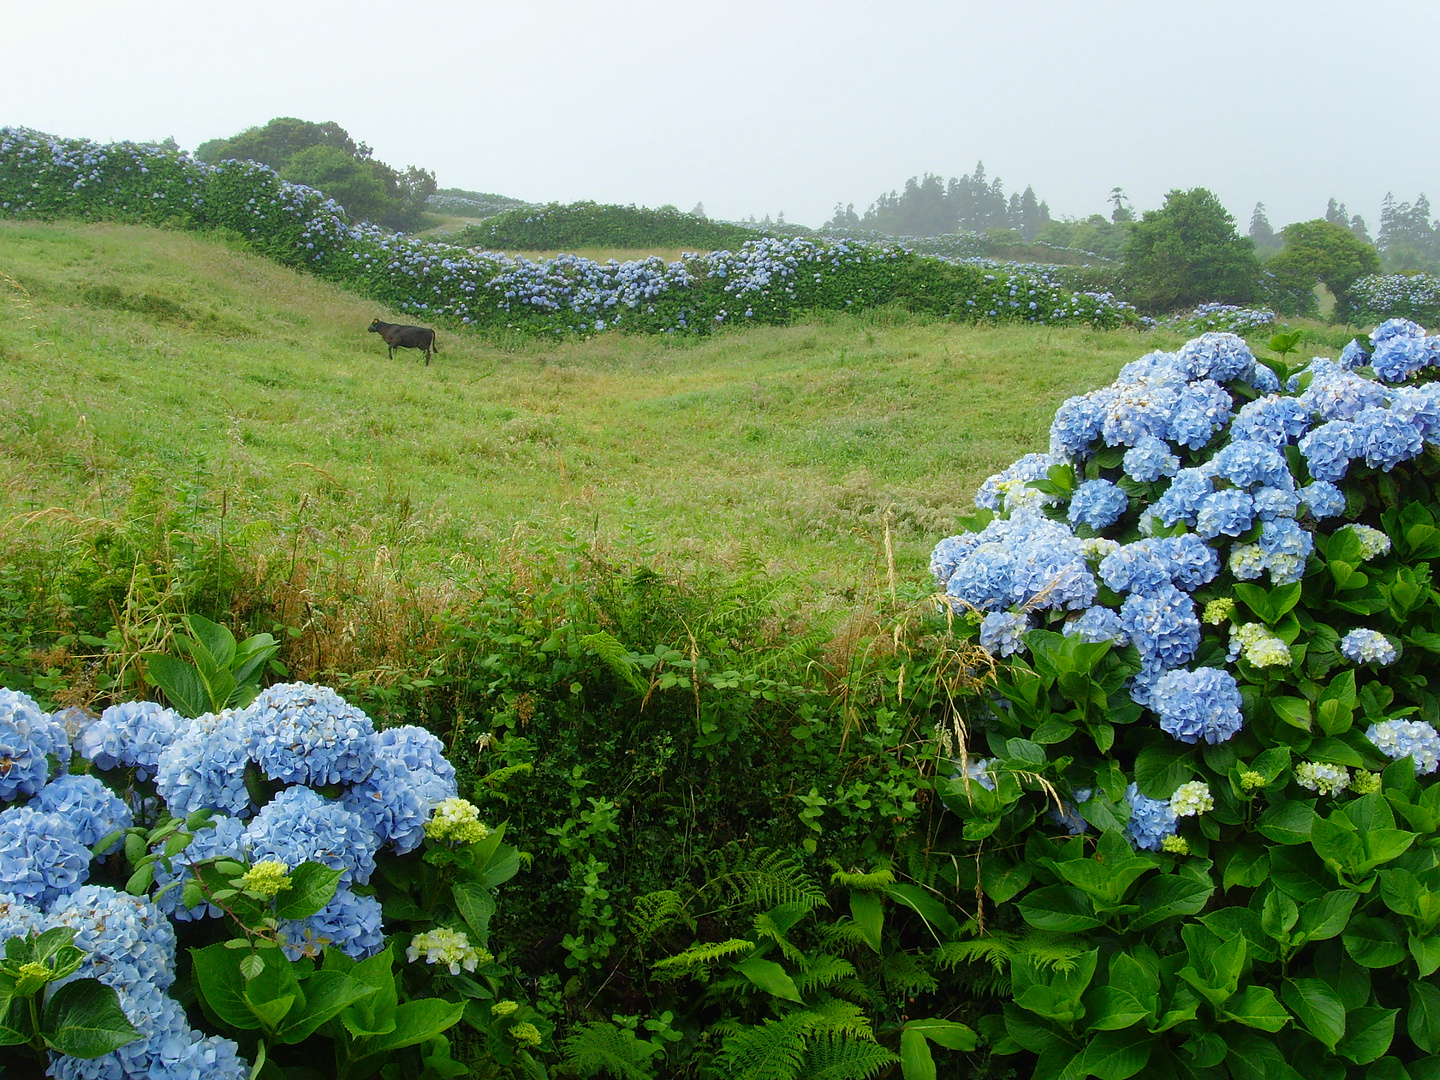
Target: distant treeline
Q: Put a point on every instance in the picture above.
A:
(930, 206)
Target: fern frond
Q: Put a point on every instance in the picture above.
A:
(605, 1048)
(844, 934)
(697, 959)
(835, 1057)
(822, 971)
(774, 923)
(616, 657)
(904, 972)
(875, 879)
(775, 878)
(774, 1050)
(656, 912)
(842, 1018)
(497, 777)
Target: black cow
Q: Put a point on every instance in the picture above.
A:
(406, 337)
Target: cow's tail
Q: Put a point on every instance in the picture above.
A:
(434, 341)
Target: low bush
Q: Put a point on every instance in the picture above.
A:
(587, 225)
(1389, 296)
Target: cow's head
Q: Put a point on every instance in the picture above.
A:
(375, 327)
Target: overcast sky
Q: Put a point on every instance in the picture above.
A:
(760, 106)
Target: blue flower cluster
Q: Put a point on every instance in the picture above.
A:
(1383, 296)
(1224, 317)
(1414, 739)
(307, 734)
(1151, 820)
(29, 739)
(131, 734)
(1227, 500)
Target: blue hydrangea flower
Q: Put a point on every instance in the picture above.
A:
(348, 922)
(1162, 625)
(19, 917)
(1097, 624)
(1322, 499)
(1353, 356)
(1247, 463)
(1191, 562)
(204, 767)
(1399, 350)
(1150, 459)
(1368, 647)
(1276, 502)
(1017, 561)
(1139, 567)
(1028, 468)
(1336, 394)
(1067, 815)
(127, 939)
(1076, 426)
(28, 738)
(40, 855)
(1098, 504)
(1151, 820)
(424, 755)
(1181, 500)
(300, 825)
(224, 837)
(1229, 512)
(390, 804)
(1419, 407)
(308, 734)
(1414, 739)
(1218, 355)
(1203, 409)
(1000, 632)
(1272, 420)
(1198, 704)
(130, 734)
(1386, 439)
(94, 811)
(1329, 448)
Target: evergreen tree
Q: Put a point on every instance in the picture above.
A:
(1121, 210)
(1408, 238)
(1336, 214)
(1188, 252)
(1261, 233)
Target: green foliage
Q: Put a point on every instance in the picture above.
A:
(1187, 252)
(82, 1018)
(1317, 253)
(221, 674)
(561, 227)
(324, 156)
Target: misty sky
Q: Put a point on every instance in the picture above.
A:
(784, 105)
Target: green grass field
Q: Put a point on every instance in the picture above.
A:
(135, 360)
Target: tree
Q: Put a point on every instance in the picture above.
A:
(1188, 252)
(1121, 210)
(1261, 234)
(1318, 253)
(1408, 239)
(324, 156)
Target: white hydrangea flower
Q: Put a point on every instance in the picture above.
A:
(1191, 799)
(1326, 779)
(1373, 542)
(448, 947)
(1258, 645)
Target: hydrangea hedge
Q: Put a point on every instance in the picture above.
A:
(770, 280)
(238, 850)
(1411, 296)
(1206, 778)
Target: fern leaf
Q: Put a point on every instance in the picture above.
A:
(774, 1050)
(876, 879)
(823, 970)
(656, 912)
(837, 1017)
(904, 972)
(775, 878)
(836, 1057)
(616, 657)
(697, 959)
(605, 1048)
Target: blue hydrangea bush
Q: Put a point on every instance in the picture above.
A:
(1202, 796)
(1384, 296)
(768, 280)
(298, 777)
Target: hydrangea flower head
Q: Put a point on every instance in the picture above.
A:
(1373, 542)
(94, 811)
(1326, 779)
(300, 825)
(1322, 499)
(1219, 611)
(1098, 504)
(449, 948)
(391, 804)
(41, 858)
(456, 821)
(1258, 645)
(127, 939)
(307, 734)
(1368, 647)
(130, 734)
(1151, 820)
(349, 922)
(1150, 459)
(1198, 704)
(1002, 632)
(28, 739)
(223, 837)
(1414, 739)
(424, 755)
(1192, 799)
(203, 768)
(1399, 350)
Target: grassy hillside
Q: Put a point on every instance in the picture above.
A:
(140, 360)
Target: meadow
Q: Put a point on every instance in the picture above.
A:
(139, 358)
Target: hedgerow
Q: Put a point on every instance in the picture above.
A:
(589, 224)
(767, 280)
(1408, 296)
